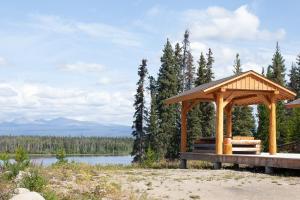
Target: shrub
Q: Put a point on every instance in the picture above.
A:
(21, 155)
(49, 195)
(150, 158)
(33, 181)
(61, 156)
(4, 158)
(21, 162)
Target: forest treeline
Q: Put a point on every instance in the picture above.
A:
(156, 126)
(71, 145)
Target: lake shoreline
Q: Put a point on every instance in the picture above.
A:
(68, 155)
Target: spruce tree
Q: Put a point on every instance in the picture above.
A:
(277, 74)
(294, 75)
(293, 119)
(263, 120)
(186, 49)
(140, 115)
(152, 127)
(167, 86)
(243, 122)
(206, 109)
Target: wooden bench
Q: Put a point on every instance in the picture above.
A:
(205, 145)
(240, 145)
(245, 145)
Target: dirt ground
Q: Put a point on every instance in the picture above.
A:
(208, 184)
(174, 184)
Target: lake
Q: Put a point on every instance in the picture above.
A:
(92, 160)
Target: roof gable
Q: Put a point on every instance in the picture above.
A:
(247, 81)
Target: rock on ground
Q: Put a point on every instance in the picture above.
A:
(28, 196)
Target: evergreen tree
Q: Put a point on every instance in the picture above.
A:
(206, 109)
(242, 116)
(237, 65)
(263, 120)
(277, 74)
(294, 75)
(167, 86)
(186, 49)
(152, 126)
(293, 119)
(188, 69)
(277, 69)
(140, 116)
(210, 61)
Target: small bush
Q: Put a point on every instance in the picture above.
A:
(49, 195)
(4, 158)
(150, 158)
(21, 155)
(61, 156)
(33, 181)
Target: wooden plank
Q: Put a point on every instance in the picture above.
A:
(238, 137)
(242, 149)
(245, 142)
(251, 160)
(205, 146)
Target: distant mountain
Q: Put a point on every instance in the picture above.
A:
(63, 127)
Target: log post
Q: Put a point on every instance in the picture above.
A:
(272, 127)
(229, 121)
(219, 123)
(183, 140)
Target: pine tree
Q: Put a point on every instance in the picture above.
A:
(263, 120)
(188, 69)
(167, 86)
(186, 49)
(206, 109)
(242, 116)
(140, 116)
(237, 65)
(294, 75)
(210, 61)
(195, 115)
(293, 118)
(277, 74)
(152, 126)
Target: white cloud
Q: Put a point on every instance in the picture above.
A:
(36, 101)
(3, 61)
(96, 30)
(82, 67)
(220, 23)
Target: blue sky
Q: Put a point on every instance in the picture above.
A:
(79, 59)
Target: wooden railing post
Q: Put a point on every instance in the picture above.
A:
(272, 127)
(219, 123)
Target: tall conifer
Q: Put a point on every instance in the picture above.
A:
(140, 115)
(167, 86)
(152, 127)
(242, 116)
(277, 74)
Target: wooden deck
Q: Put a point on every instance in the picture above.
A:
(280, 160)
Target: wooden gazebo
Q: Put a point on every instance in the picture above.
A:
(293, 104)
(247, 88)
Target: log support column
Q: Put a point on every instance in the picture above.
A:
(229, 121)
(272, 127)
(219, 123)
(183, 138)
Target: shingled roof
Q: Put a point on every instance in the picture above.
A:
(293, 104)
